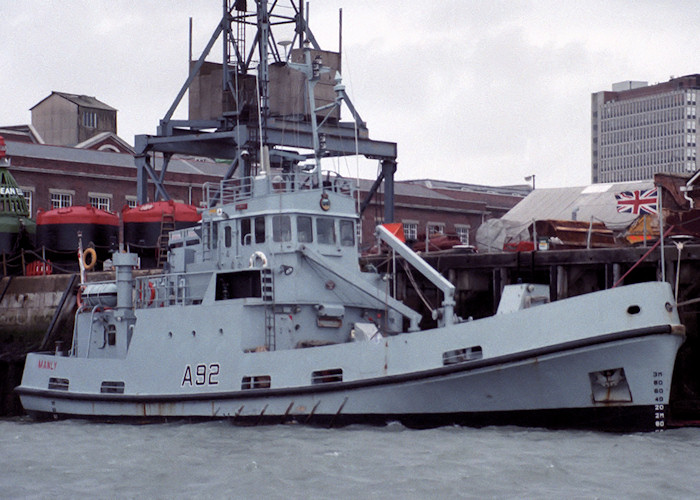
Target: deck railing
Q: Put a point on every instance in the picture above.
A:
(170, 289)
(231, 191)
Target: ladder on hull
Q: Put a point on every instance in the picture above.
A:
(167, 224)
(268, 296)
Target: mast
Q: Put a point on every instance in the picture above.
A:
(263, 70)
(252, 117)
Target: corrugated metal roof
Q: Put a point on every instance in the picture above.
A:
(407, 189)
(21, 133)
(513, 190)
(597, 201)
(106, 136)
(181, 164)
(69, 154)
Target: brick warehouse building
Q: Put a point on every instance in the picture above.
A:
(55, 176)
(431, 206)
(100, 171)
(58, 176)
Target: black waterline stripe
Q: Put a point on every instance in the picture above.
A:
(356, 384)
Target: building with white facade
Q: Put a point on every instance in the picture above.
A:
(638, 129)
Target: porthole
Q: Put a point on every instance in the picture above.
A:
(633, 309)
(256, 382)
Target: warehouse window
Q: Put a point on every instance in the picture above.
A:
(436, 228)
(101, 201)
(90, 119)
(61, 200)
(410, 230)
(29, 198)
(462, 234)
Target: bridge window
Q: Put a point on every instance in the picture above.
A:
(325, 231)
(304, 232)
(252, 228)
(281, 228)
(260, 230)
(246, 235)
(347, 233)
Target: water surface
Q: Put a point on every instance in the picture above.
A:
(73, 458)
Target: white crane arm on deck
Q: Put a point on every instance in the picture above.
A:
(437, 279)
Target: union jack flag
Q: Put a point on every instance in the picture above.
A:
(638, 202)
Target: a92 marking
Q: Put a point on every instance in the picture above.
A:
(201, 375)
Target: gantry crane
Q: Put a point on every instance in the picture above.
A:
(248, 111)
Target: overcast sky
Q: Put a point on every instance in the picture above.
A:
(484, 92)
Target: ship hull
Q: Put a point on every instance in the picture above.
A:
(555, 386)
(635, 418)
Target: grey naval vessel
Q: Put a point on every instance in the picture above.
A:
(264, 315)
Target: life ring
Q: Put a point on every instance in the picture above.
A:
(258, 257)
(93, 258)
(38, 268)
(151, 293)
